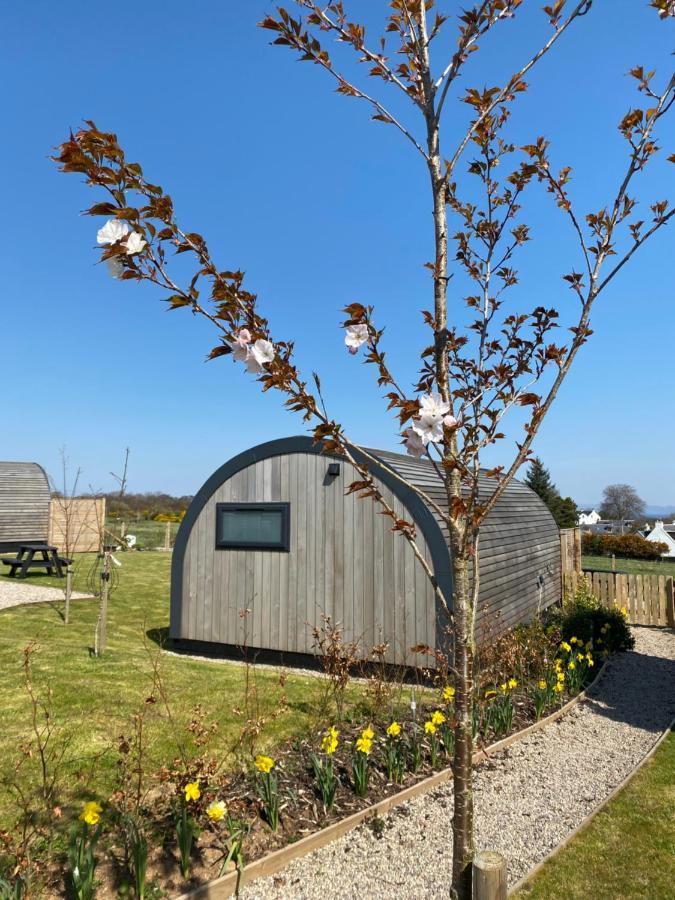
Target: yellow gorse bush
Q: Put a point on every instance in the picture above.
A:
(91, 814)
(192, 791)
(264, 764)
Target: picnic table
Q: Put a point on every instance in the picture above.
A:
(27, 559)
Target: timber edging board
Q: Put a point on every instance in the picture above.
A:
(229, 884)
(520, 884)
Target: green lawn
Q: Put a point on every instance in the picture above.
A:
(628, 850)
(149, 534)
(631, 566)
(94, 698)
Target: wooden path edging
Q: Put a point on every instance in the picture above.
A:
(229, 884)
(521, 883)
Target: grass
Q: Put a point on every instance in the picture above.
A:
(94, 698)
(631, 566)
(628, 850)
(149, 534)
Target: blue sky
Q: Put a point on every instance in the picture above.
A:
(321, 207)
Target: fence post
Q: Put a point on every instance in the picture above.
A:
(670, 602)
(489, 876)
(69, 591)
(167, 536)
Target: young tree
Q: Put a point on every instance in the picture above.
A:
(621, 501)
(482, 360)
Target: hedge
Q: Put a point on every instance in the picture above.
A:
(626, 546)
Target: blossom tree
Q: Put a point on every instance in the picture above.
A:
(483, 359)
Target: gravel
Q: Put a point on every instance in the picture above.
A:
(17, 593)
(528, 798)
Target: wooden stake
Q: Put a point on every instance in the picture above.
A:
(489, 876)
(613, 562)
(69, 591)
(167, 536)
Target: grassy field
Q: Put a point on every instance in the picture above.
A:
(628, 850)
(149, 534)
(94, 698)
(631, 566)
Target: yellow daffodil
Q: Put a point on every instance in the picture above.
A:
(541, 685)
(560, 676)
(580, 656)
(192, 791)
(368, 733)
(573, 640)
(430, 728)
(449, 693)
(589, 660)
(559, 687)
(624, 612)
(572, 665)
(437, 717)
(503, 687)
(264, 764)
(329, 743)
(364, 744)
(91, 814)
(565, 646)
(216, 810)
(512, 683)
(394, 729)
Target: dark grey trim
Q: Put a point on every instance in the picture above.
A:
(422, 516)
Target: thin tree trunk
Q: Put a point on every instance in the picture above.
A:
(462, 822)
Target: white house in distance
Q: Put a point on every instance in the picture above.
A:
(664, 534)
(589, 517)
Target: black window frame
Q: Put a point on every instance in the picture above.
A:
(284, 544)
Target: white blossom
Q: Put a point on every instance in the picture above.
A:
(355, 336)
(262, 351)
(135, 243)
(450, 421)
(413, 443)
(112, 231)
(428, 427)
(433, 405)
(240, 345)
(115, 267)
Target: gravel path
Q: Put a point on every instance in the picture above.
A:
(528, 797)
(17, 593)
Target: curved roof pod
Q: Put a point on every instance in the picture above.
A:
(24, 504)
(343, 559)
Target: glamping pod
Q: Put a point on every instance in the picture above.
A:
(271, 544)
(24, 504)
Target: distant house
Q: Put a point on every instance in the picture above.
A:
(588, 517)
(612, 526)
(664, 534)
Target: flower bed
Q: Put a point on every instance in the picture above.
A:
(198, 820)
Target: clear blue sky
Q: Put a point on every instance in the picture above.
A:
(321, 207)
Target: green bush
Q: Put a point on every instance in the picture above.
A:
(626, 546)
(606, 628)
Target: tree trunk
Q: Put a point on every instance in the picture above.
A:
(462, 822)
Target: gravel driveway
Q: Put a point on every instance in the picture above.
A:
(528, 797)
(17, 593)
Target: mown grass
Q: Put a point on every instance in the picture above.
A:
(631, 566)
(627, 850)
(94, 698)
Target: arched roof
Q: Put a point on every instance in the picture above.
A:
(24, 502)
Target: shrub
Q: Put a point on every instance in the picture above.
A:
(606, 628)
(626, 546)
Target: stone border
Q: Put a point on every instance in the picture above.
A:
(522, 882)
(229, 884)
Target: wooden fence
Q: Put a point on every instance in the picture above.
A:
(76, 525)
(647, 599)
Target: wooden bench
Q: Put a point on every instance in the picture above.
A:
(26, 559)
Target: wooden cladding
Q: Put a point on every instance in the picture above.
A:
(76, 525)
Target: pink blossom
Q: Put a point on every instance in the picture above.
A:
(240, 345)
(413, 443)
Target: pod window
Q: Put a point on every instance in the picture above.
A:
(253, 526)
